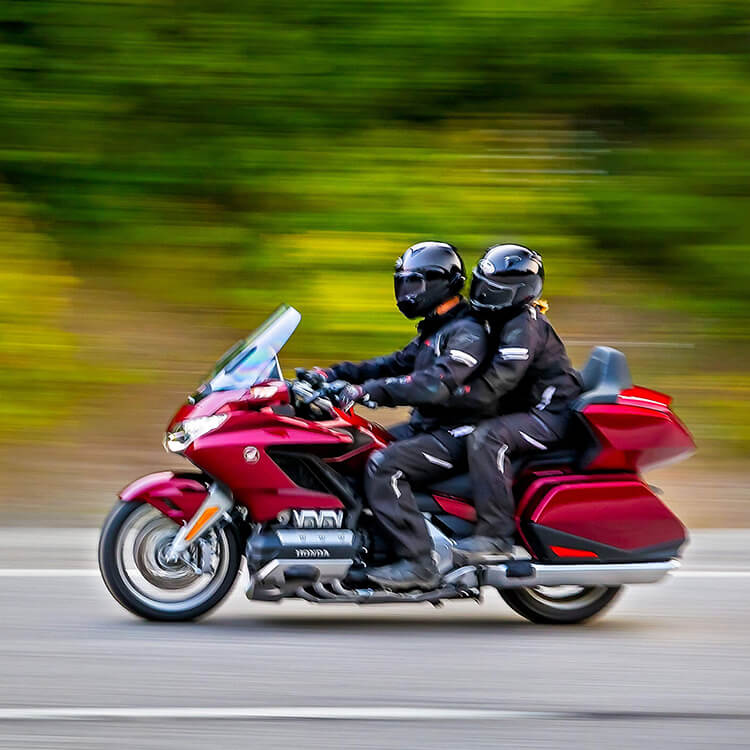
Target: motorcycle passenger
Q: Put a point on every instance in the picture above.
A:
(451, 344)
(529, 382)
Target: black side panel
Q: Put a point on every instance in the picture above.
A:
(459, 485)
(359, 437)
(301, 469)
(426, 503)
(326, 450)
(312, 473)
(452, 526)
(541, 538)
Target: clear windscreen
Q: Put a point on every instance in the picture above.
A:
(253, 360)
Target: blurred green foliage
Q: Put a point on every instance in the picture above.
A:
(228, 154)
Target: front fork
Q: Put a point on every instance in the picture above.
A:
(214, 508)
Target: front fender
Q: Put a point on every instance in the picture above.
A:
(177, 496)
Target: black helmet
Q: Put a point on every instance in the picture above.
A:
(506, 276)
(426, 275)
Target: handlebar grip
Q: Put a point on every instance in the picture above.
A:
(314, 396)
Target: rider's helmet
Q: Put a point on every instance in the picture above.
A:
(426, 275)
(506, 276)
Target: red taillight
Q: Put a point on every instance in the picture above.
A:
(570, 552)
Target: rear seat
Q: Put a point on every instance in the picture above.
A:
(461, 485)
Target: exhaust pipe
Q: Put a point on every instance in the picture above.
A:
(522, 573)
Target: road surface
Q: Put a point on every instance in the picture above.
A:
(668, 666)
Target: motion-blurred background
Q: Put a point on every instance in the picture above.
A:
(171, 171)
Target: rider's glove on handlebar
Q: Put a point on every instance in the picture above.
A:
(315, 377)
(325, 372)
(351, 394)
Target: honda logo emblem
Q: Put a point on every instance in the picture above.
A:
(251, 454)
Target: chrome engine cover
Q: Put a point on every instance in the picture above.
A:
(330, 552)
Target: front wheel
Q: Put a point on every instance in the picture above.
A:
(135, 568)
(560, 604)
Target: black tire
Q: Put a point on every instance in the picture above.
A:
(536, 607)
(126, 593)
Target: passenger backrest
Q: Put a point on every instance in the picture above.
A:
(604, 375)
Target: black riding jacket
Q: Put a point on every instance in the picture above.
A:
(427, 372)
(530, 370)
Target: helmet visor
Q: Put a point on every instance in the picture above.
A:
(491, 294)
(409, 284)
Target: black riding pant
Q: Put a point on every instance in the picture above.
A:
(490, 450)
(413, 460)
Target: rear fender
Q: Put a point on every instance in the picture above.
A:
(177, 496)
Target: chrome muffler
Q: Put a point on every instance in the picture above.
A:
(524, 573)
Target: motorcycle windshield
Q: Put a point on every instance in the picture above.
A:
(253, 360)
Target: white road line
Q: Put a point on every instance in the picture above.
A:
(713, 573)
(344, 713)
(94, 572)
(48, 572)
(325, 713)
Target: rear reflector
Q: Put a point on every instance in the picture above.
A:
(570, 552)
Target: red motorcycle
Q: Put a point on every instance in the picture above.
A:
(279, 480)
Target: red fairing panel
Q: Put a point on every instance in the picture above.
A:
(177, 496)
(621, 513)
(260, 484)
(634, 437)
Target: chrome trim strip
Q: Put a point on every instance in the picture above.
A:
(315, 537)
(603, 574)
(329, 570)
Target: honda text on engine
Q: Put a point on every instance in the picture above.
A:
(279, 481)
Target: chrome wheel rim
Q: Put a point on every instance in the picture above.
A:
(566, 597)
(151, 578)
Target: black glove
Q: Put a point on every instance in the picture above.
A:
(347, 395)
(315, 377)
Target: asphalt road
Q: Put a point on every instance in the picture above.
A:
(667, 666)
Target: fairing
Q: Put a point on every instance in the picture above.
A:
(177, 496)
(634, 437)
(238, 455)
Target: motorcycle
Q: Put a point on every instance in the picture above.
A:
(278, 480)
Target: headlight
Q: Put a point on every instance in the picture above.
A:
(185, 432)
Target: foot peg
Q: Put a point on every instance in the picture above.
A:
(519, 569)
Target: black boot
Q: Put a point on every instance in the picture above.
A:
(407, 574)
(482, 549)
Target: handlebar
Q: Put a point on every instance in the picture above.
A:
(306, 393)
(324, 395)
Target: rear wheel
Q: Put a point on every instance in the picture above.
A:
(135, 568)
(560, 604)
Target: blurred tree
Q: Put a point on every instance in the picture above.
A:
(146, 136)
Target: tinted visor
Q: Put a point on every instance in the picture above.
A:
(409, 284)
(491, 294)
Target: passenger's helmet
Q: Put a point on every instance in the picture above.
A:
(506, 276)
(427, 274)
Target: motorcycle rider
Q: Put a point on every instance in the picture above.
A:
(529, 382)
(450, 346)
